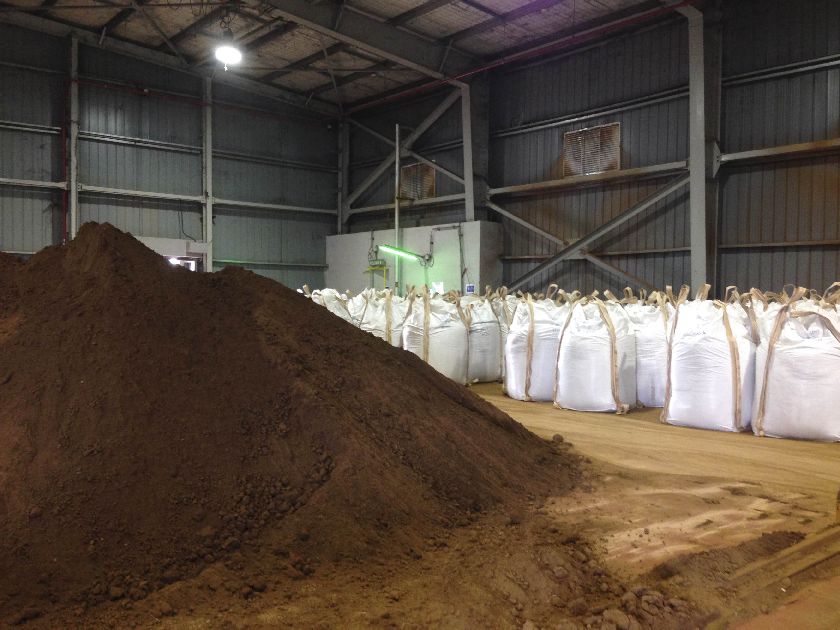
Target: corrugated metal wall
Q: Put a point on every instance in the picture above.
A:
(639, 81)
(779, 219)
(131, 139)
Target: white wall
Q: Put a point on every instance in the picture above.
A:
(347, 256)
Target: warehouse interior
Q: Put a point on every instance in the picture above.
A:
(349, 313)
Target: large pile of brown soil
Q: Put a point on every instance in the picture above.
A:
(154, 420)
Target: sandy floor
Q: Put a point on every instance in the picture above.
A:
(696, 504)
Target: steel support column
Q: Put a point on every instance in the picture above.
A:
(73, 148)
(697, 145)
(207, 171)
(343, 174)
(466, 130)
(713, 62)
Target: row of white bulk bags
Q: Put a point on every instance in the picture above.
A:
(797, 362)
(596, 361)
(711, 366)
(531, 347)
(437, 331)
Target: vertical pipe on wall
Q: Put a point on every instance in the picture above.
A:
(397, 241)
(207, 171)
(466, 131)
(697, 146)
(73, 150)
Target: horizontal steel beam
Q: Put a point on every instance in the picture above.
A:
(787, 150)
(580, 244)
(11, 125)
(364, 32)
(140, 194)
(233, 203)
(656, 170)
(269, 263)
(31, 183)
(408, 205)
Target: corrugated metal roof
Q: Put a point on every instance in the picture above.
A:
(196, 34)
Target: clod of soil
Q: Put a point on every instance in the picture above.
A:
(155, 422)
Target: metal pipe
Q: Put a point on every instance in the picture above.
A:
(397, 241)
(73, 173)
(207, 171)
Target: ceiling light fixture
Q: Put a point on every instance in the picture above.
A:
(227, 52)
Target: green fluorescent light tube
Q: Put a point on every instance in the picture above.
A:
(388, 249)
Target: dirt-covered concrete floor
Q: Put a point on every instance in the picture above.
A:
(745, 526)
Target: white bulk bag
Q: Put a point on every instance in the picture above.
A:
(711, 366)
(797, 363)
(651, 325)
(382, 315)
(334, 302)
(486, 353)
(596, 362)
(531, 349)
(504, 306)
(436, 332)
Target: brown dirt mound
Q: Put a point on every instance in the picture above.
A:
(154, 420)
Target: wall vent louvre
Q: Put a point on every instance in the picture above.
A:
(592, 150)
(417, 181)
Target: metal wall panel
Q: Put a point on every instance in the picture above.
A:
(29, 219)
(787, 110)
(782, 203)
(28, 155)
(144, 217)
(120, 113)
(31, 97)
(760, 34)
(22, 46)
(105, 65)
(625, 68)
(256, 236)
(259, 134)
(268, 183)
(139, 168)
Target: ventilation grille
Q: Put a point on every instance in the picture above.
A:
(593, 150)
(417, 181)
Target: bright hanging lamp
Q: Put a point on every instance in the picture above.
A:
(227, 52)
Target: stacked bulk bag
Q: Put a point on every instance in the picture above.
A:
(335, 302)
(504, 306)
(436, 330)
(651, 324)
(797, 363)
(711, 365)
(531, 346)
(486, 352)
(382, 314)
(596, 359)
